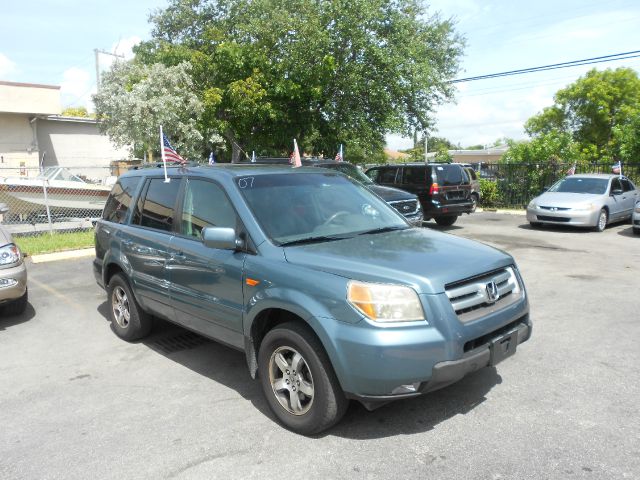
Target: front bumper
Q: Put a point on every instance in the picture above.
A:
(576, 218)
(13, 283)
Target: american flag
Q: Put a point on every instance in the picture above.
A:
(617, 168)
(339, 155)
(170, 154)
(572, 170)
(295, 156)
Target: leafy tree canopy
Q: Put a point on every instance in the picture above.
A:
(592, 110)
(326, 73)
(76, 112)
(135, 99)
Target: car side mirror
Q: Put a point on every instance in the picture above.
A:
(221, 238)
(617, 191)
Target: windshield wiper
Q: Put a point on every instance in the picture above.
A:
(318, 239)
(382, 230)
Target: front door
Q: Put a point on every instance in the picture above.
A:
(206, 283)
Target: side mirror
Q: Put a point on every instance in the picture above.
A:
(221, 238)
(617, 191)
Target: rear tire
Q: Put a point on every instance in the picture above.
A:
(475, 198)
(298, 380)
(446, 221)
(17, 306)
(601, 224)
(128, 320)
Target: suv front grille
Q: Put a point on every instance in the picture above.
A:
(405, 207)
(471, 298)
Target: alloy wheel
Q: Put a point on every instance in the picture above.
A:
(291, 380)
(120, 307)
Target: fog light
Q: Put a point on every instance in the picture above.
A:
(7, 282)
(411, 388)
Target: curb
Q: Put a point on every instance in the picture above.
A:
(503, 212)
(69, 254)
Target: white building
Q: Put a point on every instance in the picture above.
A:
(33, 134)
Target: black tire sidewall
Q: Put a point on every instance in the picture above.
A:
(139, 322)
(329, 403)
(446, 221)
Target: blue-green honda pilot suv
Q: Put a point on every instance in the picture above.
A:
(328, 290)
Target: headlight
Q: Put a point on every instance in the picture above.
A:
(385, 303)
(9, 254)
(532, 205)
(637, 209)
(584, 208)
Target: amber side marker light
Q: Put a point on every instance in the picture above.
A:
(251, 282)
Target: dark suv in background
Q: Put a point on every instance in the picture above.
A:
(404, 202)
(443, 189)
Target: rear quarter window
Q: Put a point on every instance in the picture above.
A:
(158, 205)
(119, 201)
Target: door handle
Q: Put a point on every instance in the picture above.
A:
(127, 243)
(177, 256)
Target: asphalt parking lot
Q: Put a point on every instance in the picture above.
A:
(76, 402)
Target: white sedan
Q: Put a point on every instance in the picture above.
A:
(588, 200)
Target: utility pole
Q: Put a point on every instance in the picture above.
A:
(425, 147)
(97, 53)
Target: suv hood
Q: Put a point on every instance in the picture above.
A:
(422, 258)
(390, 194)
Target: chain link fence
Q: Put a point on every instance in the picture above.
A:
(54, 199)
(513, 185)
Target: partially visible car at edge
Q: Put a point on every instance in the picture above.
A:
(585, 200)
(476, 194)
(635, 218)
(13, 276)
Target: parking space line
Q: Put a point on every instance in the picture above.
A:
(57, 293)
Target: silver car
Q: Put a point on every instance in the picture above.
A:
(589, 200)
(13, 275)
(635, 219)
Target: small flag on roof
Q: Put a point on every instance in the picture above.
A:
(253, 157)
(170, 154)
(617, 168)
(295, 156)
(339, 156)
(212, 158)
(572, 170)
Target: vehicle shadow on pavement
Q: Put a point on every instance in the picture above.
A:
(228, 367)
(556, 228)
(435, 226)
(8, 322)
(419, 414)
(628, 232)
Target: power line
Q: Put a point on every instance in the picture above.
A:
(554, 66)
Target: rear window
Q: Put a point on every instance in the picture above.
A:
(157, 208)
(449, 175)
(119, 201)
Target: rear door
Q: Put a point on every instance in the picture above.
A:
(206, 283)
(145, 244)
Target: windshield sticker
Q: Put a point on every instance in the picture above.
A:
(245, 182)
(439, 168)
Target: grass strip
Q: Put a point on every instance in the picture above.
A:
(54, 242)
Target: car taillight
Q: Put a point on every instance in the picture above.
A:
(435, 189)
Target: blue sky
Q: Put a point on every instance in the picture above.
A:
(52, 42)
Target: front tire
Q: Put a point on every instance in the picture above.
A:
(128, 320)
(446, 221)
(601, 224)
(298, 380)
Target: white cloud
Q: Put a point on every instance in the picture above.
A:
(7, 67)
(76, 88)
(123, 47)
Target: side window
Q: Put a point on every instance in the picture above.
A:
(388, 175)
(615, 185)
(205, 205)
(627, 186)
(472, 173)
(119, 200)
(414, 175)
(158, 203)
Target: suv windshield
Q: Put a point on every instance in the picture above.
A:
(306, 207)
(597, 186)
(349, 170)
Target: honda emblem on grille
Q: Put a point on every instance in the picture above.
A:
(406, 207)
(492, 292)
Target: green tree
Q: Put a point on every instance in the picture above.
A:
(326, 73)
(440, 145)
(76, 112)
(135, 99)
(591, 109)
